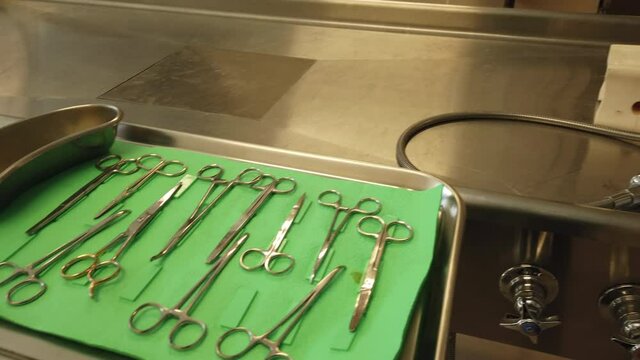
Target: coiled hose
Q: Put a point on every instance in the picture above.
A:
(622, 199)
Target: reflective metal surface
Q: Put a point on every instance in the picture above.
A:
(427, 334)
(35, 148)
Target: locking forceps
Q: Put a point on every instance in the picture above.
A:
(359, 208)
(31, 272)
(151, 171)
(287, 185)
(271, 256)
(186, 304)
(110, 165)
(125, 239)
(248, 176)
(295, 315)
(382, 234)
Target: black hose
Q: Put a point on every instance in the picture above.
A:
(420, 126)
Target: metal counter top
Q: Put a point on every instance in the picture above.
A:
(367, 79)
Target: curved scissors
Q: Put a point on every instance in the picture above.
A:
(110, 165)
(32, 271)
(159, 168)
(272, 255)
(248, 176)
(179, 310)
(272, 186)
(383, 233)
(365, 206)
(96, 265)
(274, 345)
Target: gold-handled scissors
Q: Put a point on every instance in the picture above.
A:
(333, 198)
(295, 315)
(211, 173)
(159, 168)
(272, 186)
(31, 272)
(110, 165)
(272, 259)
(185, 305)
(94, 263)
(382, 234)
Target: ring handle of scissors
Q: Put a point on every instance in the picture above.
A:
(108, 161)
(183, 168)
(249, 176)
(214, 170)
(250, 266)
(28, 282)
(93, 273)
(391, 226)
(285, 185)
(264, 181)
(371, 219)
(364, 203)
(16, 271)
(331, 198)
(140, 161)
(183, 323)
(64, 271)
(253, 340)
(145, 308)
(277, 257)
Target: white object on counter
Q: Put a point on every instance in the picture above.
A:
(619, 97)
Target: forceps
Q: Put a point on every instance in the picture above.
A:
(382, 235)
(108, 167)
(33, 271)
(179, 310)
(136, 185)
(248, 176)
(125, 238)
(288, 185)
(272, 255)
(274, 345)
(359, 208)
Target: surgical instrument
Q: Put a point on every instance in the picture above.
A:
(108, 167)
(182, 310)
(151, 171)
(359, 208)
(288, 185)
(270, 257)
(125, 239)
(295, 315)
(32, 271)
(382, 235)
(247, 177)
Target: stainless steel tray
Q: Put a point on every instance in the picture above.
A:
(41, 146)
(428, 333)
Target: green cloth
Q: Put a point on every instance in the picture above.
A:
(256, 300)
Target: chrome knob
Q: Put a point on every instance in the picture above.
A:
(530, 288)
(622, 304)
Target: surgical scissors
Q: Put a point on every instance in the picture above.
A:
(274, 345)
(272, 255)
(288, 185)
(32, 271)
(108, 167)
(151, 171)
(247, 177)
(382, 235)
(179, 310)
(359, 208)
(125, 239)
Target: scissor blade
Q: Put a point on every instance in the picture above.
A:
(288, 222)
(117, 200)
(69, 202)
(361, 307)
